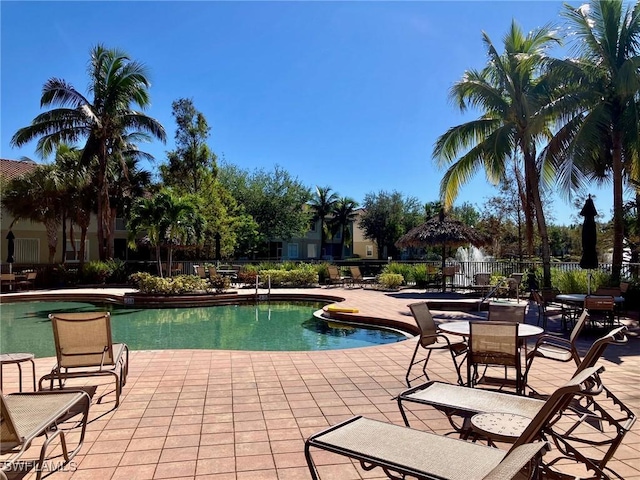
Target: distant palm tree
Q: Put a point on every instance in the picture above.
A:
(322, 205)
(511, 95)
(116, 82)
(37, 196)
(344, 214)
(600, 132)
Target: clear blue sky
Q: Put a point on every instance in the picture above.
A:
(350, 95)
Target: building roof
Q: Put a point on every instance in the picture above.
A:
(12, 168)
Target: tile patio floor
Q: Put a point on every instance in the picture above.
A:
(233, 415)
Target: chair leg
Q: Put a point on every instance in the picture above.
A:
(455, 364)
(412, 363)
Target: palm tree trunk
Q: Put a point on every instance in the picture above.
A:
(52, 237)
(618, 220)
(159, 261)
(83, 242)
(532, 182)
(63, 256)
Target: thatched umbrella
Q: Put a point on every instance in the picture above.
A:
(445, 231)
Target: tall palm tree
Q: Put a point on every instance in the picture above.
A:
(322, 205)
(344, 214)
(117, 83)
(511, 94)
(600, 133)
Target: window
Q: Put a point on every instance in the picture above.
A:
(121, 225)
(292, 250)
(312, 250)
(27, 250)
(312, 226)
(73, 256)
(369, 250)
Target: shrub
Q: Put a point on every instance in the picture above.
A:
(390, 280)
(96, 272)
(420, 275)
(576, 281)
(148, 283)
(403, 269)
(219, 283)
(304, 275)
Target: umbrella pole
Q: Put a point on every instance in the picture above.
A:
(444, 279)
(589, 283)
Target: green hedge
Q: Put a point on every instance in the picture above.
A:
(147, 283)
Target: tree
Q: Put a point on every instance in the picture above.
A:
(322, 204)
(37, 196)
(344, 214)
(511, 94)
(275, 200)
(600, 111)
(167, 219)
(117, 83)
(191, 167)
(386, 217)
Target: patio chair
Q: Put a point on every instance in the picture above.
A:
(513, 284)
(84, 348)
(8, 280)
(601, 308)
(449, 274)
(334, 276)
(28, 281)
(26, 416)
(558, 348)
(402, 451)
(493, 344)
(545, 309)
(482, 282)
(430, 340)
(199, 271)
(357, 278)
(212, 271)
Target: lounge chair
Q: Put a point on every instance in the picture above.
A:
(199, 271)
(84, 348)
(213, 272)
(558, 348)
(608, 413)
(357, 278)
(334, 275)
(26, 416)
(402, 451)
(431, 339)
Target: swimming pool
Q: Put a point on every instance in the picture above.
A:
(281, 326)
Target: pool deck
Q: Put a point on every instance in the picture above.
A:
(237, 415)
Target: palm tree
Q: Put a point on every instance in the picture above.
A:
(601, 111)
(511, 94)
(37, 196)
(117, 83)
(344, 214)
(167, 219)
(322, 205)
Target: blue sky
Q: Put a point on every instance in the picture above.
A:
(350, 95)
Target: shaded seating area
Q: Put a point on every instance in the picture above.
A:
(84, 348)
(27, 416)
(431, 339)
(401, 450)
(589, 431)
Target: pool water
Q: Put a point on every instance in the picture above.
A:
(25, 327)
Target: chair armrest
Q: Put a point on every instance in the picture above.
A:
(557, 341)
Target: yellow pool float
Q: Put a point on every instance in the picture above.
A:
(337, 308)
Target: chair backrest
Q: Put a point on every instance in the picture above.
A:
(517, 277)
(599, 302)
(9, 435)
(7, 277)
(577, 328)
(425, 322)
(586, 382)
(535, 295)
(212, 271)
(356, 274)
(502, 312)
(613, 291)
(199, 270)
(624, 286)
(82, 339)
(334, 273)
(616, 336)
(31, 276)
(549, 294)
(482, 278)
(494, 343)
(449, 271)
